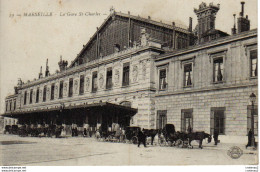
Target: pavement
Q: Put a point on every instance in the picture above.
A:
(79, 151)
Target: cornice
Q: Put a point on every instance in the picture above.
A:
(172, 93)
(105, 60)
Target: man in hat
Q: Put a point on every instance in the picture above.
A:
(216, 136)
(141, 138)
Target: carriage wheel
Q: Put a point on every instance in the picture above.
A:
(161, 141)
(122, 139)
(169, 143)
(110, 138)
(134, 140)
(179, 143)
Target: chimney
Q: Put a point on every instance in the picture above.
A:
(149, 17)
(206, 15)
(243, 23)
(62, 64)
(234, 30)
(173, 23)
(47, 72)
(242, 9)
(190, 25)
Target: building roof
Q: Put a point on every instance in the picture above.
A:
(219, 41)
(138, 18)
(131, 111)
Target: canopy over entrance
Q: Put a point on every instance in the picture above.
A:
(91, 114)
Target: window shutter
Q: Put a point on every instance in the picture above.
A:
(211, 122)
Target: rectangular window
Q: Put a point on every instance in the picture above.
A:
(217, 120)
(31, 96)
(126, 68)
(25, 98)
(161, 119)
(37, 95)
(70, 87)
(44, 93)
(10, 105)
(6, 106)
(186, 120)
(218, 70)
(249, 117)
(52, 91)
(81, 84)
(253, 61)
(188, 75)
(14, 104)
(61, 90)
(109, 78)
(162, 79)
(94, 82)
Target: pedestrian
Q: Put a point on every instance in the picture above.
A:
(250, 135)
(215, 136)
(141, 138)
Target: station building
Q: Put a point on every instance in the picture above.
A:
(140, 72)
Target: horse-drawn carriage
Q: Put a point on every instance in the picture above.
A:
(168, 136)
(40, 130)
(129, 134)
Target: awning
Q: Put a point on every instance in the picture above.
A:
(130, 111)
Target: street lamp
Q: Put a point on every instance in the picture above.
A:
(252, 99)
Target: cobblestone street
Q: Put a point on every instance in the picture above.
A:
(30, 151)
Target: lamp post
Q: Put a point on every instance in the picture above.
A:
(252, 99)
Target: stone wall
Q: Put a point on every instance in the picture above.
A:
(235, 100)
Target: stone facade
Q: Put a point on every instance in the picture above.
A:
(232, 93)
(137, 92)
(204, 85)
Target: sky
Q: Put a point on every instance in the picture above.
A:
(26, 42)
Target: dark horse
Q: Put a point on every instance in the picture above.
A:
(150, 133)
(198, 136)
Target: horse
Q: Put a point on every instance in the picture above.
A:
(198, 136)
(150, 133)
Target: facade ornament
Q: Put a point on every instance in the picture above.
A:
(144, 69)
(56, 91)
(20, 83)
(144, 37)
(65, 89)
(101, 80)
(40, 74)
(87, 83)
(112, 10)
(48, 93)
(135, 73)
(76, 86)
(117, 75)
(40, 94)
